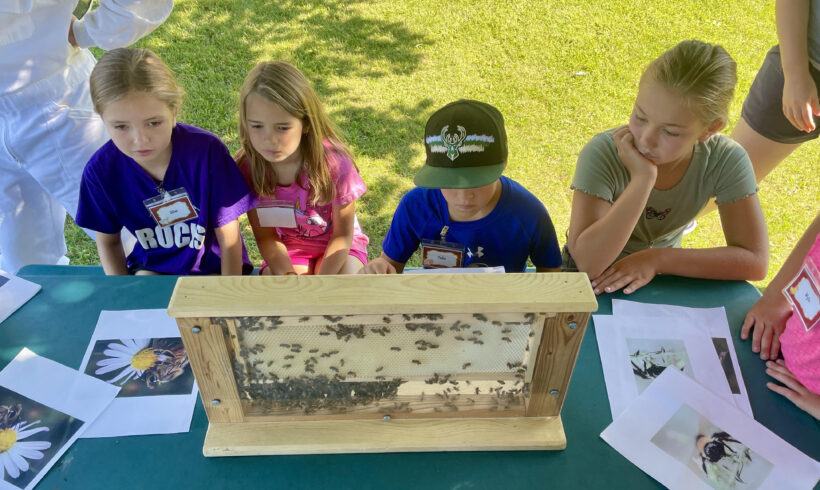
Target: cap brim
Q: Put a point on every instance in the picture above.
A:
(457, 178)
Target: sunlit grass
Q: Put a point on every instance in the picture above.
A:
(559, 71)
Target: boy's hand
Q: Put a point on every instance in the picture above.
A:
(630, 273)
(378, 266)
(632, 159)
(800, 102)
(793, 389)
(767, 318)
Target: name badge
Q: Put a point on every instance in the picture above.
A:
(278, 214)
(171, 207)
(804, 295)
(437, 254)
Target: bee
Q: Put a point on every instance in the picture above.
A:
(479, 317)
(379, 368)
(506, 339)
(304, 319)
(288, 357)
(170, 364)
(395, 348)
(9, 414)
(313, 351)
(416, 362)
(286, 346)
(466, 365)
(324, 334)
(286, 366)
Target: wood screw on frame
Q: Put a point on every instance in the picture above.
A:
(554, 392)
(196, 329)
(386, 418)
(215, 402)
(573, 325)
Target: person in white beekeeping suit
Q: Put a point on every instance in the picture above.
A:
(48, 128)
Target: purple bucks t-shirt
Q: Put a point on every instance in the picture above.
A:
(114, 187)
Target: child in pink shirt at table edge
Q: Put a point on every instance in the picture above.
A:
(307, 183)
(779, 324)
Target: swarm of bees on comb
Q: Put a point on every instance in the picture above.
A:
(394, 363)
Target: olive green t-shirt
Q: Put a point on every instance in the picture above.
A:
(720, 169)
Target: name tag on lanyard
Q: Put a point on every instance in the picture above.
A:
(803, 292)
(437, 254)
(171, 207)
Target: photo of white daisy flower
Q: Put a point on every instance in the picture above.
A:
(130, 355)
(15, 452)
(142, 367)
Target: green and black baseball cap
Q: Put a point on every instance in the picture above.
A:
(466, 146)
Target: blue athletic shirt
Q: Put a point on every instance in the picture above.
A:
(517, 228)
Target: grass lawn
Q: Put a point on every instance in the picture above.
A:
(559, 71)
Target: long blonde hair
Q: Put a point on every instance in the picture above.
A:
(704, 74)
(123, 71)
(284, 85)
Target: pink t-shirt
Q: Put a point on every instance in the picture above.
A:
(801, 349)
(314, 224)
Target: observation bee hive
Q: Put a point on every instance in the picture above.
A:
(382, 363)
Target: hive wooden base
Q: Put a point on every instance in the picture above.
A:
(378, 436)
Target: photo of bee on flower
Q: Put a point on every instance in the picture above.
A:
(30, 436)
(718, 458)
(142, 367)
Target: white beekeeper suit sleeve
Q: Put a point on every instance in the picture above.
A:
(117, 23)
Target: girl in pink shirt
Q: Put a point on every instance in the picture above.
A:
(305, 178)
(787, 318)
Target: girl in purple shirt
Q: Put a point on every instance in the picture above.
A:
(304, 176)
(175, 187)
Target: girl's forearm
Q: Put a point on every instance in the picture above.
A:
(338, 248)
(792, 20)
(112, 256)
(597, 247)
(230, 248)
(793, 263)
(726, 263)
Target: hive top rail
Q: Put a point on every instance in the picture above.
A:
(215, 296)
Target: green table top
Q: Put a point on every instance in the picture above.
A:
(59, 321)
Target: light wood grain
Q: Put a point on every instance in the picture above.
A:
(208, 355)
(555, 362)
(377, 436)
(371, 294)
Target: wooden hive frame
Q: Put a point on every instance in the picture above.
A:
(217, 314)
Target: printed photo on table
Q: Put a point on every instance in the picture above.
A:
(719, 459)
(649, 357)
(31, 434)
(142, 367)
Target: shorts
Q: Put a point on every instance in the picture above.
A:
(308, 259)
(763, 107)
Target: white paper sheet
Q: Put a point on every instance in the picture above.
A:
(14, 292)
(635, 350)
(166, 408)
(675, 422)
(713, 322)
(458, 270)
(44, 407)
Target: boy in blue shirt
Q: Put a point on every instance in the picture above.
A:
(464, 213)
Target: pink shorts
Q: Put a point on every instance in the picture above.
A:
(308, 259)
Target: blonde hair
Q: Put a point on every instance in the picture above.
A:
(704, 74)
(123, 71)
(284, 85)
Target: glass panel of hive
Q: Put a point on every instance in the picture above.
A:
(384, 364)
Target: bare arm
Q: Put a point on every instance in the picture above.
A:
(547, 269)
(270, 247)
(767, 318)
(745, 256)
(230, 248)
(800, 101)
(112, 256)
(383, 265)
(338, 248)
(598, 230)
